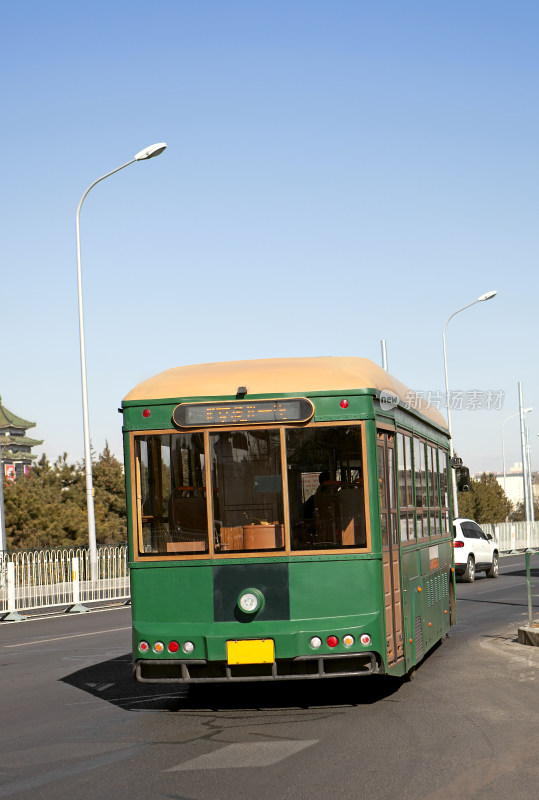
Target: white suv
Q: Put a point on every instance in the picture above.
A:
(475, 550)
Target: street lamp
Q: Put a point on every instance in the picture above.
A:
(486, 296)
(149, 152)
(526, 471)
(524, 411)
(530, 476)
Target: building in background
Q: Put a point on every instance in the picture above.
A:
(17, 456)
(513, 485)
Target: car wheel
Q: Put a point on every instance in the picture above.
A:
(494, 571)
(468, 575)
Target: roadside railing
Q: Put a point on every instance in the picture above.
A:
(514, 537)
(40, 579)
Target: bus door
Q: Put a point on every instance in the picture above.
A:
(390, 545)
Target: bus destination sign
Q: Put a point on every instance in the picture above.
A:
(243, 412)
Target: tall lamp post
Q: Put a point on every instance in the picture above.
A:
(524, 411)
(530, 476)
(143, 155)
(486, 296)
(525, 447)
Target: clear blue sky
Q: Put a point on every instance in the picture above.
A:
(336, 174)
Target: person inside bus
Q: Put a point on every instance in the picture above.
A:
(324, 480)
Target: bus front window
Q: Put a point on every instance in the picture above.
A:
(247, 490)
(325, 487)
(172, 494)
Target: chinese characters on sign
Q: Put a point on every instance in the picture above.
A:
(470, 400)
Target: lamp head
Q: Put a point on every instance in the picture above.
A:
(487, 296)
(527, 411)
(150, 152)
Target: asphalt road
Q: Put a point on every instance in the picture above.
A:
(75, 725)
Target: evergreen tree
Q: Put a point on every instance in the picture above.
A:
(519, 514)
(109, 486)
(47, 507)
(486, 501)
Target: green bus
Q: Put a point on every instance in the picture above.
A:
(288, 519)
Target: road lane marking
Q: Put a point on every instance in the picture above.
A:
(245, 754)
(59, 638)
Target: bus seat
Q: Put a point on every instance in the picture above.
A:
(327, 517)
(187, 517)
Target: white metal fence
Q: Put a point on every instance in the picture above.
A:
(46, 578)
(514, 536)
(61, 577)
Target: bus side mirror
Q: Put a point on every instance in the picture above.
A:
(463, 479)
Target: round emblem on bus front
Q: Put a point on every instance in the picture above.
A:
(250, 601)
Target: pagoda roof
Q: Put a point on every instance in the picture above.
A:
(7, 456)
(8, 418)
(14, 439)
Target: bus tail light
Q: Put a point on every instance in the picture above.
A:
(143, 647)
(365, 639)
(158, 647)
(332, 641)
(173, 647)
(348, 640)
(316, 642)
(188, 647)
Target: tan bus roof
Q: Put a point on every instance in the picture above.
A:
(277, 376)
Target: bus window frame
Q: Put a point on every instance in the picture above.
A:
(440, 509)
(435, 511)
(409, 509)
(136, 499)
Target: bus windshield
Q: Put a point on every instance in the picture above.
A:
(321, 495)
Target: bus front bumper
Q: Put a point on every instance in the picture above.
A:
(300, 668)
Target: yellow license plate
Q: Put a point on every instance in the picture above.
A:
(250, 651)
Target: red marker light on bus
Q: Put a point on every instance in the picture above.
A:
(365, 639)
(344, 403)
(173, 647)
(146, 412)
(332, 641)
(143, 647)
